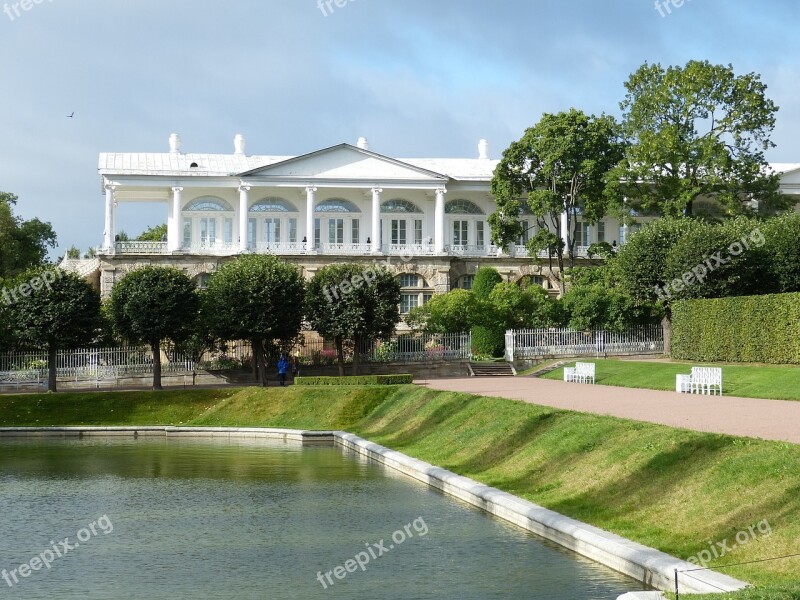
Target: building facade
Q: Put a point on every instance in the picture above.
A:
(424, 219)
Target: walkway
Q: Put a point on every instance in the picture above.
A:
(767, 419)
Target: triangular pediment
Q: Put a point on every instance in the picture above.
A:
(344, 162)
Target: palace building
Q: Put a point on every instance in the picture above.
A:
(424, 218)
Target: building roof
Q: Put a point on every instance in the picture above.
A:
(173, 164)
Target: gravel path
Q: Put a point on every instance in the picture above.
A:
(767, 419)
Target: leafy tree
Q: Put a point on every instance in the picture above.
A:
(350, 303)
(258, 298)
(561, 166)
(74, 252)
(512, 307)
(781, 254)
(153, 234)
(23, 244)
(485, 280)
(453, 312)
(154, 304)
(53, 310)
(698, 130)
(601, 307)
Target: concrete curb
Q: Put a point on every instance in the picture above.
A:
(644, 564)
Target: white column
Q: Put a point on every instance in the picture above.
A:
(376, 220)
(108, 232)
(565, 229)
(438, 222)
(311, 202)
(244, 207)
(174, 234)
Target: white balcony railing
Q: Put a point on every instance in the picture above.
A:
(472, 250)
(286, 248)
(423, 249)
(344, 249)
(137, 247)
(218, 248)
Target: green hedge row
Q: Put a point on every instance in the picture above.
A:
(356, 380)
(763, 329)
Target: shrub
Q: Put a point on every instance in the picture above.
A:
(762, 329)
(357, 380)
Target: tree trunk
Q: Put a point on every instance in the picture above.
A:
(52, 354)
(357, 355)
(340, 354)
(666, 325)
(258, 358)
(156, 348)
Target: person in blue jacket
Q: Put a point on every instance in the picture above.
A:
(283, 367)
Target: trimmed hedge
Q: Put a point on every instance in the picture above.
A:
(356, 380)
(764, 329)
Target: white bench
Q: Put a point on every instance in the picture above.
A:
(580, 373)
(702, 380)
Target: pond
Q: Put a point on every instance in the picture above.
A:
(107, 518)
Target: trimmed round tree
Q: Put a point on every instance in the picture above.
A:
(153, 304)
(258, 298)
(488, 335)
(353, 303)
(51, 309)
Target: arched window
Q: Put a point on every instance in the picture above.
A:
(399, 205)
(462, 207)
(273, 205)
(208, 204)
(337, 205)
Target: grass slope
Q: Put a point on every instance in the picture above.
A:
(746, 381)
(672, 489)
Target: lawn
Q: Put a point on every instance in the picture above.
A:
(747, 381)
(672, 489)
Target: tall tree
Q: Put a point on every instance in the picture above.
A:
(154, 304)
(352, 303)
(54, 310)
(698, 130)
(559, 169)
(258, 298)
(23, 244)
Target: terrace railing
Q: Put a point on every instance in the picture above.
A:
(538, 343)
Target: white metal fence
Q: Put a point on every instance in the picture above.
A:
(18, 369)
(422, 348)
(537, 343)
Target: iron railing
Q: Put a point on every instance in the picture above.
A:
(537, 343)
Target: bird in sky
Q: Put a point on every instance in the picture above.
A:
(72, 115)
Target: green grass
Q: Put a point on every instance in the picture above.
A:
(667, 488)
(747, 381)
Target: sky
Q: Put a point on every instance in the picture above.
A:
(418, 78)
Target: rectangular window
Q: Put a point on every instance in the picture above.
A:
(251, 233)
(203, 232)
(479, 238)
(601, 232)
(523, 240)
(460, 233)
(317, 233)
(409, 280)
(228, 231)
(187, 233)
(336, 231)
(292, 231)
(426, 298)
(582, 234)
(272, 231)
(621, 234)
(418, 232)
(399, 232)
(407, 302)
(355, 231)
